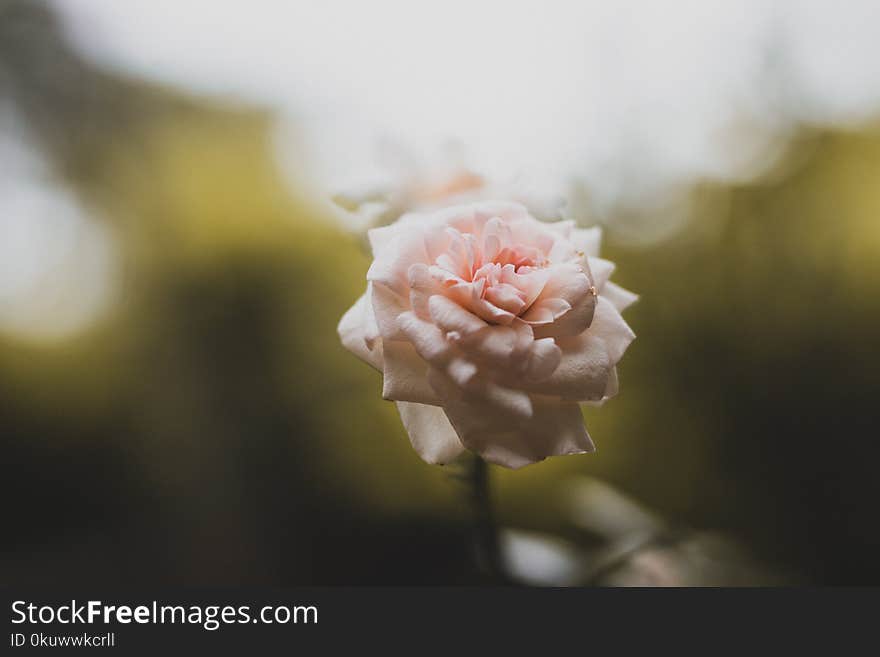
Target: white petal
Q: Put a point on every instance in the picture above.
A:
(461, 371)
(612, 329)
(618, 296)
(387, 307)
(430, 432)
(611, 389)
(381, 238)
(449, 316)
(601, 270)
(422, 287)
(492, 346)
(588, 359)
(429, 341)
(553, 430)
(544, 358)
(563, 228)
(391, 265)
(571, 284)
(405, 375)
(587, 240)
(545, 311)
(353, 329)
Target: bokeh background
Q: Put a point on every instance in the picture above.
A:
(175, 407)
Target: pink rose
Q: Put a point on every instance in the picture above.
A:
(489, 327)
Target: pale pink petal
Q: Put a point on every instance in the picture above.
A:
(493, 345)
(513, 402)
(610, 389)
(381, 238)
(530, 283)
(461, 371)
(563, 228)
(353, 333)
(619, 297)
(510, 212)
(387, 306)
(544, 358)
(587, 240)
(491, 313)
(430, 432)
(611, 328)
(392, 266)
(571, 284)
(422, 287)
(588, 359)
(428, 340)
(546, 311)
(479, 392)
(436, 241)
(601, 270)
(505, 297)
(449, 316)
(553, 430)
(404, 375)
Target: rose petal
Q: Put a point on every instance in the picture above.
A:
(422, 287)
(461, 371)
(571, 284)
(392, 265)
(430, 432)
(546, 311)
(554, 429)
(405, 375)
(387, 306)
(428, 340)
(588, 359)
(353, 331)
(601, 270)
(587, 240)
(611, 389)
(612, 329)
(506, 297)
(449, 316)
(544, 358)
(563, 228)
(493, 346)
(618, 296)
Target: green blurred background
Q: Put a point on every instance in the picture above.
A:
(206, 427)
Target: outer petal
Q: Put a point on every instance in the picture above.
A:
(387, 306)
(422, 287)
(555, 428)
(572, 285)
(430, 433)
(610, 327)
(392, 262)
(601, 270)
(618, 296)
(451, 317)
(381, 238)
(588, 360)
(354, 331)
(405, 375)
(587, 240)
(428, 340)
(610, 389)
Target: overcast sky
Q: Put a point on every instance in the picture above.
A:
(620, 93)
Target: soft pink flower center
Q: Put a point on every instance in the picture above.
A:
(509, 276)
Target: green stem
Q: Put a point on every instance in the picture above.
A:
(486, 541)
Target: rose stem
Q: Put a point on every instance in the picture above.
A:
(488, 548)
